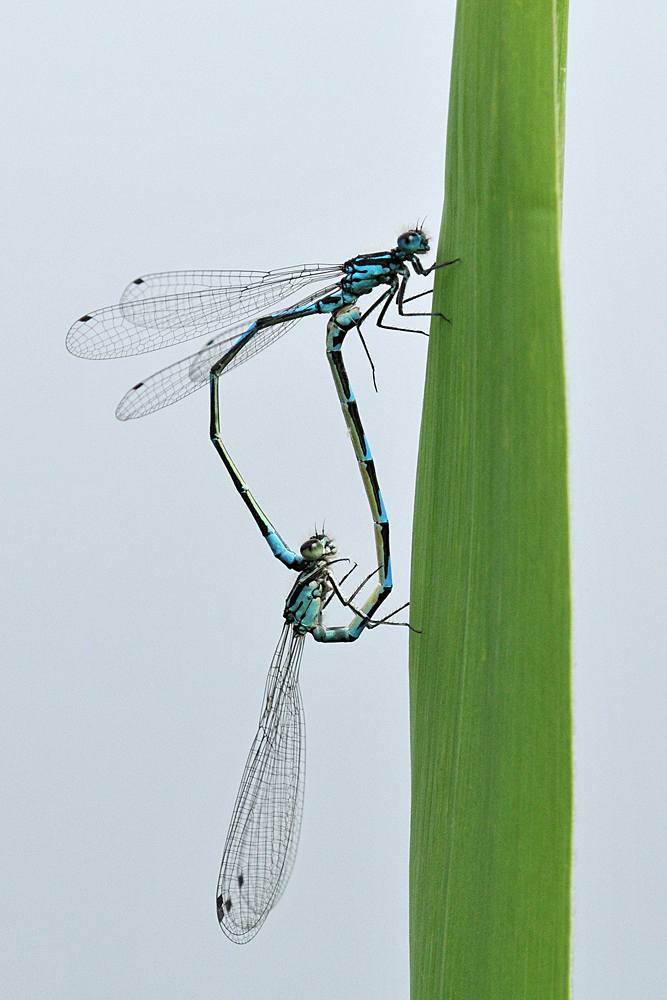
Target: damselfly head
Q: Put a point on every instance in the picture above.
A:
(317, 547)
(413, 241)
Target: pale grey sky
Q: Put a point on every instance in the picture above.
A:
(141, 606)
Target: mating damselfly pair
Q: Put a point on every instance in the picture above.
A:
(159, 310)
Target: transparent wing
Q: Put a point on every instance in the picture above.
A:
(158, 310)
(162, 283)
(151, 286)
(177, 381)
(263, 836)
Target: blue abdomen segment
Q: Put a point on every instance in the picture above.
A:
(283, 552)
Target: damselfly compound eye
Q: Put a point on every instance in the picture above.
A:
(312, 549)
(407, 238)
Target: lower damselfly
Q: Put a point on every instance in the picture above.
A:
(261, 845)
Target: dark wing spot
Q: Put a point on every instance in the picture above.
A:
(240, 880)
(84, 319)
(138, 281)
(137, 386)
(219, 905)
(228, 905)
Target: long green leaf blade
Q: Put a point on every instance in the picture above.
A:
(490, 671)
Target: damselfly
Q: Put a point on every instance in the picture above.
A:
(261, 844)
(159, 310)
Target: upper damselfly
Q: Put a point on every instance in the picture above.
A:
(159, 310)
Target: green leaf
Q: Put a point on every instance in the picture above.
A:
(490, 671)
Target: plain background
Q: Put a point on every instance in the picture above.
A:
(141, 607)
